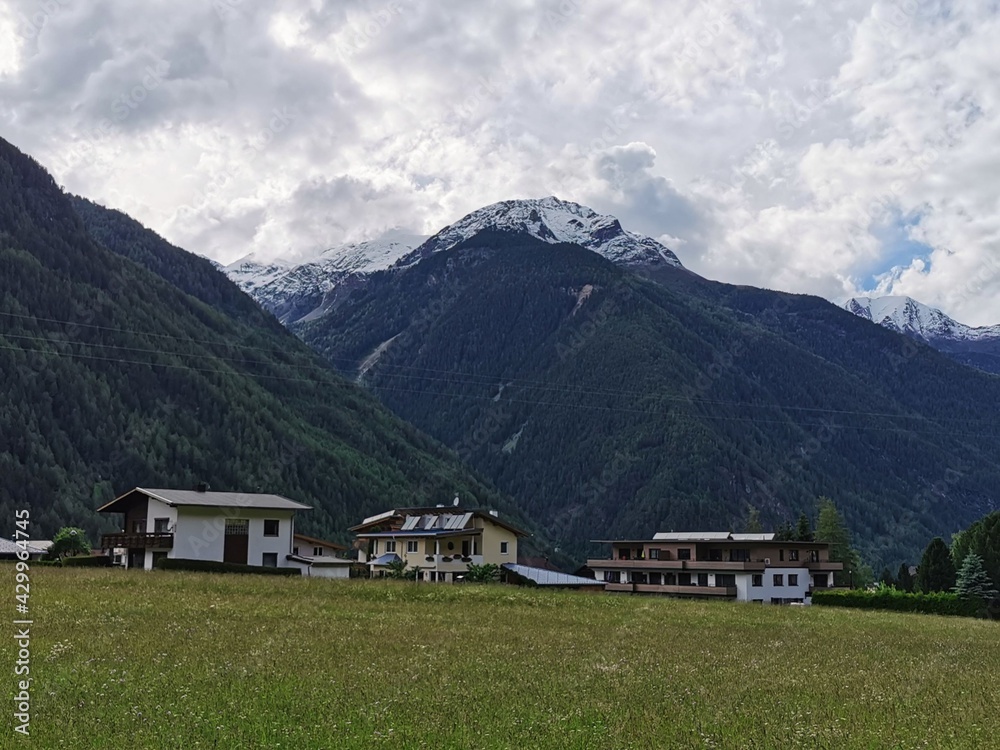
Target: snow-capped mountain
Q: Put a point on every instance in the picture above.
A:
(907, 315)
(978, 347)
(553, 220)
(303, 290)
(299, 291)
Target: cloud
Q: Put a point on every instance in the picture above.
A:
(771, 141)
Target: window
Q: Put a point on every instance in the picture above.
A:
(317, 551)
(411, 545)
(757, 580)
(390, 545)
(814, 555)
(793, 580)
(270, 527)
(739, 555)
(683, 579)
(295, 550)
(793, 555)
(715, 555)
(654, 554)
(161, 525)
(612, 576)
(703, 579)
(269, 560)
(781, 555)
(725, 580)
(139, 526)
(503, 548)
(779, 579)
(684, 554)
(157, 556)
(623, 554)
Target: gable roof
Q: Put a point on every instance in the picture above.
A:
(439, 518)
(176, 498)
(318, 542)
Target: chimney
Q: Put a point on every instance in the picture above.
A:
(202, 487)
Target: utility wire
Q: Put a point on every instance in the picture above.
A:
(485, 379)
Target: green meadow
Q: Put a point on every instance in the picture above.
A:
(191, 660)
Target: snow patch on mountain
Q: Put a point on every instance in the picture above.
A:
(907, 315)
(276, 284)
(553, 220)
(303, 289)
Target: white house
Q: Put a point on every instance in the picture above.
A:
(324, 560)
(234, 527)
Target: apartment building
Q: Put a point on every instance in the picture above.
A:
(723, 565)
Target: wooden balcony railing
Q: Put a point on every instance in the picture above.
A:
(138, 541)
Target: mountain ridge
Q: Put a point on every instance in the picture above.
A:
(977, 347)
(303, 291)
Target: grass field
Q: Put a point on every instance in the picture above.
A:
(190, 660)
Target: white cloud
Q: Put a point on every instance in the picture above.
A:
(768, 139)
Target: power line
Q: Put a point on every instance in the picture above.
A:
(569, 390)
(488, 380)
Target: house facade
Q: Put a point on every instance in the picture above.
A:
(441, 541)
(722, 565)
(324, 558)
(234, 527)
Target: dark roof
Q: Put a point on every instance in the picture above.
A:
(321, 542)
(536, 562)
(205, 499)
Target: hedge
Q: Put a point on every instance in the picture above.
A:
(87, 561)
(937, 603)
(210, 566)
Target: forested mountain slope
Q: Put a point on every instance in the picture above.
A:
(159, 372)
(613, 405)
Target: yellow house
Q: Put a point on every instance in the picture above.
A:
(441, 541)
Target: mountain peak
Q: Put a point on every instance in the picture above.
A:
(909, 316)
(553, 220)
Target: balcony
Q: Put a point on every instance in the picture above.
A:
(138, 541)
(648, 588)
(706, 566)
(445, 562)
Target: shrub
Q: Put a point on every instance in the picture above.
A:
(936, 603)
(87, 561)
(486, 573)
(210, 566)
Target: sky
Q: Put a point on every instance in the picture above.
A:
(834, 148)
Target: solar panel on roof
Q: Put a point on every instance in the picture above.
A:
(410, 523)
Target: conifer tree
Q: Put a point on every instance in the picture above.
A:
(973, 580)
